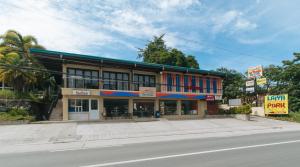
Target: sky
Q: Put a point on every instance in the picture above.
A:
(234, 34)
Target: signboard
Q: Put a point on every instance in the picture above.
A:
(249, 83)
(250, 89)
(255, 72)
(81, 92)
(261, 81)
(147, 92)
(235, 102)
(210, 98)
(276, 104)
(218, 97)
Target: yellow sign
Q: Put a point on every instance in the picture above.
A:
(261, 81)
(276, 104)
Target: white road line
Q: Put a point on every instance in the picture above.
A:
(189, 154)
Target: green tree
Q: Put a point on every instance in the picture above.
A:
(233, 83)
(156, 51)
(15, 61)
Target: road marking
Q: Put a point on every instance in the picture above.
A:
(67, 149)
(189, 154)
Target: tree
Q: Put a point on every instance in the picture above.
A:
(15, 61)
(233, 83)
(192, 62)
(156, 51)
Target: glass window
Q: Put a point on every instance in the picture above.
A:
(189, 107)
(71, 105)
(201, 85)
(116, 107)
(79, 78)
(215, 86)
(71, 78)
(193, 84)
(94, 104)
(78, 105)
(186, 83)
(85, 105)
(168, 107)
(115, 81)
(178, 83)
(143, 81)
(207, 85)
(169, 82)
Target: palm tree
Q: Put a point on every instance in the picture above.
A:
(16, 64)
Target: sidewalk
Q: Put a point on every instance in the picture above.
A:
(73, 136)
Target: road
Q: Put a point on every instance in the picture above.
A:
(268, 150)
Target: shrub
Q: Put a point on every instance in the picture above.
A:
(245, 109)
(7, 94)
(18, 111)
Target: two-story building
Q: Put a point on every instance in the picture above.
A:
(97, 88)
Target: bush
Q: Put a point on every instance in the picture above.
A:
(18, 111)
(7, 94)
(8, 117)
(245, 109)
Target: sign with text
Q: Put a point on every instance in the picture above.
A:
(81, 92)
(210, 98)
(255, 72)
(147, 91)
(261, 81)
(276, 104)
(249, 83)
(250, 89)
(235, 102)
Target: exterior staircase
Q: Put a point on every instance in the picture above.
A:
(57, 112)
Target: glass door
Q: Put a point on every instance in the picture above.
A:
(94, 111)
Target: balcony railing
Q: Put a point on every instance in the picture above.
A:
(134, 86)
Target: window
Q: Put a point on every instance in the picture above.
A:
(186, 83)
(193, 84)
(189, 107)
(215, 86)
(140, 80)
(78, 105)
(116, 107)
(178, 83)
(201, 85)
(168, 107)
(94, 104)
(79, 78)
(169, 82)
(207, 85)
(115, 80)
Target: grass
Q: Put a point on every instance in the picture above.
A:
(292, 117)
(7, 117)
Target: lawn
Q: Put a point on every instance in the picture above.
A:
(292, 117)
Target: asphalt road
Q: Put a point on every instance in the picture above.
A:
(267, 150)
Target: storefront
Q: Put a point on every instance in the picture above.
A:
(114, 108)
(143, 108)
(83, 109)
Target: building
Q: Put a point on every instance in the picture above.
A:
(97, 88)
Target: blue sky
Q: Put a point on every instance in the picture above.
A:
(232, 33)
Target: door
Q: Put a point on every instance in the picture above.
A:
(94, 111)
(143, 109)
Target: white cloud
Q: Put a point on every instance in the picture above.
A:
(52, 28)
(169, 4)
(231, 21)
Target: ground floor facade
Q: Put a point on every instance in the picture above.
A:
(85, 105)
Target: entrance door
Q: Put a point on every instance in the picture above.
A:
(143, 108)
(94, 111)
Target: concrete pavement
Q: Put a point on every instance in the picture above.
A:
(268, 150)
(73, 136)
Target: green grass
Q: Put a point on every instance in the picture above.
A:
(292, 117)
(8, 117)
